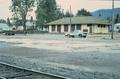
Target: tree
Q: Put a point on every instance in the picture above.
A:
(117, 18)
(47, 11)
(21, 9)
(40, 13)
(109, 19)
(18, 23)
(68, 14)
(2, 21)
(31, 19)
(8, 22)
(83, 12)
(59, 13)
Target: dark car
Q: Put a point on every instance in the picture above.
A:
(9, 33)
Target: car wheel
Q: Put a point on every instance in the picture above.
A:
(73, 36)
(69, 36)
(13, 33)
(80, 35)
(8, 34)
(84, 36)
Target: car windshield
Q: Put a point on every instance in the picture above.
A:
(77, 31)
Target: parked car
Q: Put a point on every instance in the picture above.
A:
(76, 33)
(9, 33)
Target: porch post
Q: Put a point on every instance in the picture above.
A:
(75, 27)
(56, 28)
(62, 28)
(69, 28)
(50, 28)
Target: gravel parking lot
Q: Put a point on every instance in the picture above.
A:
(92, 55)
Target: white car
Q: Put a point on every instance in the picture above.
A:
(76, 33)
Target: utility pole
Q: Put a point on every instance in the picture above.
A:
(112, 28)
(70, 18)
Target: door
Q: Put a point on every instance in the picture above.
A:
(59, 28)
(72, 27)
(90, 28)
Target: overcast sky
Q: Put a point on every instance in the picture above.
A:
(90, 5)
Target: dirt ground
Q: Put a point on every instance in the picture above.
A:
(96, 53)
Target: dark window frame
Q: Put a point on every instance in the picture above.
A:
(66, 28)
(72, 28)
(78, 26)
(53, 28)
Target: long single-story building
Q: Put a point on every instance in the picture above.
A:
(88, 24)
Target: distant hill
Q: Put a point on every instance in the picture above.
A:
(105, 13)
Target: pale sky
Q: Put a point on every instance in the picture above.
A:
(90, 5)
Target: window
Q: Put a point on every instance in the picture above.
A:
(99, 26)
(59, 28)
(72, 27)
(65, 28)
(78, 27)
(103, 26)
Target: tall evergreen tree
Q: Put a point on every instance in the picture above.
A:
(51, 10)
(47, 11)
(40, 13)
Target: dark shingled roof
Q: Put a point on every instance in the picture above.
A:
(80, 20)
